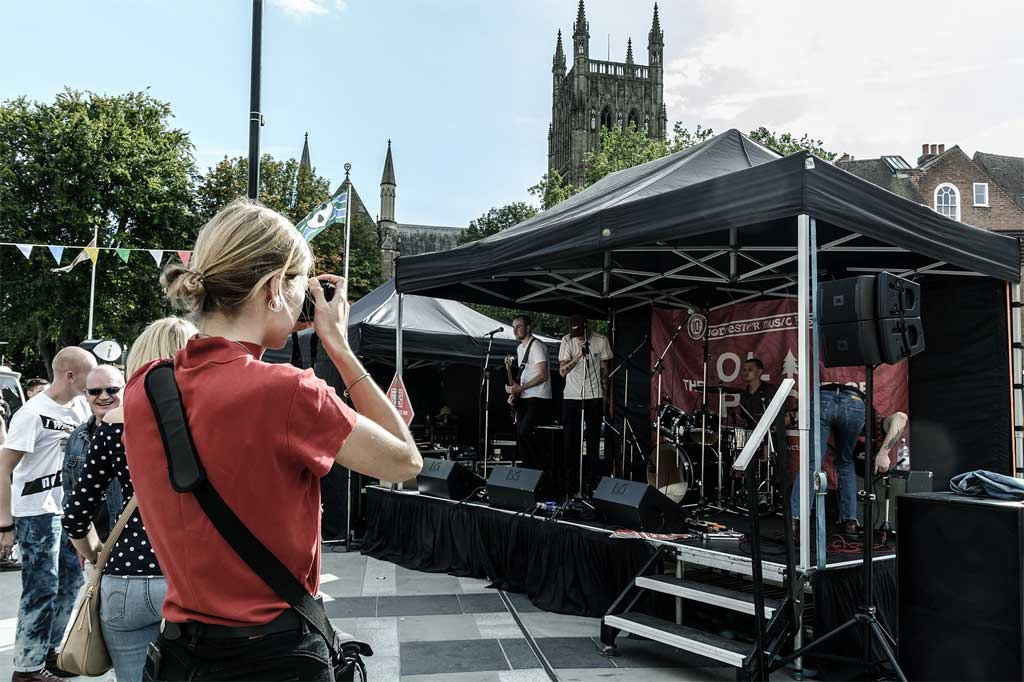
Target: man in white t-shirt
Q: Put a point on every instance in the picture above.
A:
(31, 510)
(532, 392)
(583, 360)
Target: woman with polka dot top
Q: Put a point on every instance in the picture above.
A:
(133, 587)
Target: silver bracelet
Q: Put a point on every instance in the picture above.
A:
(348, 390)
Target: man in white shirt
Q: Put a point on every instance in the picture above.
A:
(31, 510)
(532, 392)
(583, 360)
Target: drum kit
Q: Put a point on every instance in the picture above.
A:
(692, 463)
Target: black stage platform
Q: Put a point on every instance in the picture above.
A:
(574, 567)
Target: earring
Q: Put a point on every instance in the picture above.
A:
(275, 305)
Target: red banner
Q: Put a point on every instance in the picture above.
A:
(766, 330)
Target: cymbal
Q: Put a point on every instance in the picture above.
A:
(719, 388)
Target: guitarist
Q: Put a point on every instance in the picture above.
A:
(531, 390)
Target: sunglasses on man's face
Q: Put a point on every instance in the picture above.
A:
(110, 390)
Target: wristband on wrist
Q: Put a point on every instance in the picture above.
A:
(7, 529)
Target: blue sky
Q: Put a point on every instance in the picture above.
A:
(464, 88)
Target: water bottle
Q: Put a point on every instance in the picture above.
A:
(903, 456)
(600, 443)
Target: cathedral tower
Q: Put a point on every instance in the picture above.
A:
(596, 94)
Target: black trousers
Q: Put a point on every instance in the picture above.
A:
(298, 654)
(593, 410)
(529, 413)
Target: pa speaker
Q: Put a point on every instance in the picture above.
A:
(846, 300)
(961, 581)
(900, 338)
(514, 488)
(636, 505)
(846, 344)
(444, 478)
(897, 297)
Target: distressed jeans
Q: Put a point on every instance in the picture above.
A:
(50, 579)
(840, 413)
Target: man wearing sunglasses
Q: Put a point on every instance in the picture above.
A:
(103, 391)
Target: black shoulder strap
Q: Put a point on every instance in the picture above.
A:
(526, 357)
(187, 475)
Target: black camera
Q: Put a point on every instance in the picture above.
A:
(309, 305)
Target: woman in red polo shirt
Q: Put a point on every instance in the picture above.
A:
(265, 435)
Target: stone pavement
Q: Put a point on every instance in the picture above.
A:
(427, 627)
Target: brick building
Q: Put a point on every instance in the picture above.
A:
(986, 190)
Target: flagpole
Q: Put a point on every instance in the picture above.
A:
(348, 226)
(255, 116)
(92, 280)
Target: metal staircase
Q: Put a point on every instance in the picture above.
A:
(698, 587)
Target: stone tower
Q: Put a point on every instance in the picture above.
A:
(387, 228)
(595, 94)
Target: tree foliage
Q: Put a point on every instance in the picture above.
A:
(786, 143)
(497, 219)
(552, 189)
(88, 162)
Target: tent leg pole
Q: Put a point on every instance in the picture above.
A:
(398, 355)
(819, 508)
(1017, 360)
(803, 382)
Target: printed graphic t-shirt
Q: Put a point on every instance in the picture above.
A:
(40, 429)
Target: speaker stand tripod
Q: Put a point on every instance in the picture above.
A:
(866, 617)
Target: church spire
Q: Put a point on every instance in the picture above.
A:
(387, 189)
(580, 26)
(655, 37)
(581, 35)
(388, 178)
(629, 50)
(558, 64)
(304, 162)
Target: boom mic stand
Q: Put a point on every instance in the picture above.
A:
(484, 403)
(659, 368)
(627, 428)
(867, 615)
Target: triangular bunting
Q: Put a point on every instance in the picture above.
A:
(93, 253)
(57, 252)
(26, 249)
(123, 254)
(185, 257)
(157, 255)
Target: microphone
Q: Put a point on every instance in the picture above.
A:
(496, 331)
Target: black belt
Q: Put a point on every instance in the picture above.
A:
(288, 620)
(841, 388)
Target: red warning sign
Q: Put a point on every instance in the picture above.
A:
(400, 399)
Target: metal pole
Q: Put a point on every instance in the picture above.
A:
(348, 226)
(92, 279)
(398, 352)
(1017, 360)
(803, 386)
(255, 117)
(819, 509)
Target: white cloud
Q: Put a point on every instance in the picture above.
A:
(869, 78)
(306, 8)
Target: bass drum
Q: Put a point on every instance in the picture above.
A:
(674, 476)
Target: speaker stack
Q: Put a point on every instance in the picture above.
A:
(869, 320)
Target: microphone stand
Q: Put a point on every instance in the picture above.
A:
(485, 387)
(627, 428)
(659, 368)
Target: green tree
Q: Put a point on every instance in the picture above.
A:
(552, 189)
(81, 163)
(786, 143)
(294, 192)
(683, 138)
(621, 148)
(496, 220)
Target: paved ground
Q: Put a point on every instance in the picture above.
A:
(427, 627)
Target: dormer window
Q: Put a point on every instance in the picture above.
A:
(981, 194)
(947, 200)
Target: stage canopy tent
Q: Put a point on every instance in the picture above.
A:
(704, 227)
(433, 330)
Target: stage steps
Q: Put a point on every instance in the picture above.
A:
(714, 590)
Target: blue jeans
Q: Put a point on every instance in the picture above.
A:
(130, 620)
(840, 413)
(50, 579)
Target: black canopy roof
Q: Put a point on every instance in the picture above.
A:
(433, 330)
(711, 224)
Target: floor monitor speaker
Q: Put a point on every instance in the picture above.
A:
(636, 505)
(447, 479)
(960, 567)
(515, 488)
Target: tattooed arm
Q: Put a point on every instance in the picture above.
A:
(895, 426)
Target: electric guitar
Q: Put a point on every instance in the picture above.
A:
(512, 369)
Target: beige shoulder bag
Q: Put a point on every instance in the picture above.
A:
(83, 650)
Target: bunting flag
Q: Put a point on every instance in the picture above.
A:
(323, 216)
(26, 249)
(185, 257)
(57, 252)
(89, 251)
(123, 254)
(157, 255)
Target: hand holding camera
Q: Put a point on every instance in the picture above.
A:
(328, 310)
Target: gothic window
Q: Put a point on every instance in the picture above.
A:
(593, 120)
(606, 118)
(633, 119)
(947, 200)
(618, 120)
(647, 123)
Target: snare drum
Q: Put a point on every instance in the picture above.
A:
(674, 421)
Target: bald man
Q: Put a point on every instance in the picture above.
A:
(30, 513)
(103, 391)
